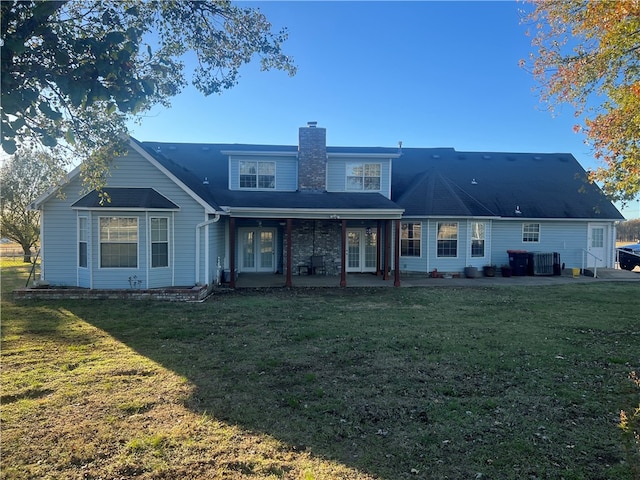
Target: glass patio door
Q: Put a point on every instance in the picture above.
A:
(361, 250)
(257, 250)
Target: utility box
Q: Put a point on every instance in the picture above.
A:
(518, 261)
(541, 263)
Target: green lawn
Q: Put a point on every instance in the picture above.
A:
(459, 383)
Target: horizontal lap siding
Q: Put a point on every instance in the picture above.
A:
(286, 171)
(135, 171)
(566, 238)
(59, 238)
(60, 232)
(448, 264)
(337, 174)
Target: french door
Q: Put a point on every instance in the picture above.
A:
(257, 250)
(361, 250)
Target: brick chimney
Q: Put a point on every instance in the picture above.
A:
(312, 158)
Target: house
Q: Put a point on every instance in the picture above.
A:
(196, 214)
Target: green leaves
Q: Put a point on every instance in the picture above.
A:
(589, 56)
(78, 70)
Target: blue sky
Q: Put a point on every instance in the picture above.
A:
(429, 74)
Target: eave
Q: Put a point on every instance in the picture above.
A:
(316, 213)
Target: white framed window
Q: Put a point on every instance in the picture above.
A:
(363, 176)
(410, 239)
(159, 242)
(83, 239)
(530, 232)
(118, 242)
(258, 175)
(478, 230)
(447, 241)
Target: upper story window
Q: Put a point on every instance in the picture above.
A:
(410, 239)
(531, 232)
(363, 176)
(255, 174)
(118, 242)
(447, 244)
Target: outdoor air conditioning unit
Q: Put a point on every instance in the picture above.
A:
(541, 263)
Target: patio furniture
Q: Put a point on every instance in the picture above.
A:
(317, 265)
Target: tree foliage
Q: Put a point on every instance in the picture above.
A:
(628, 231)
(23, 178)
(74, 72)
(588, 55)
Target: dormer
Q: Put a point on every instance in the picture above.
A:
(262, 170)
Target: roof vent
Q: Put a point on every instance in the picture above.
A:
(518, 212)
(473, 181)
(205, 148)
(205, 181)
(486, 157)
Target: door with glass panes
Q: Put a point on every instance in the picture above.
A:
(257, 250)
(361, 250)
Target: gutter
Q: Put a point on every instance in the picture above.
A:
(204, 224)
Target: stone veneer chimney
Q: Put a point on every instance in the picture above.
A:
(312, 158)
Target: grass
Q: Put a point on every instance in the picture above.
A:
(499, 383)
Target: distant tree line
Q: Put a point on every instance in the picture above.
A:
(629, 231)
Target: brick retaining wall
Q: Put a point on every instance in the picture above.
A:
(194, 294)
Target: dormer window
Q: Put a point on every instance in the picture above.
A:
(258, 175)
(363, 176)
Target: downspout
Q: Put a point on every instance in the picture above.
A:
(206, 223)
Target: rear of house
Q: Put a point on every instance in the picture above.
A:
(197, 214)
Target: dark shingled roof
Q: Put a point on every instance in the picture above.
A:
(138, 198)
(425, 182)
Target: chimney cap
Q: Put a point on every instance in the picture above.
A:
(312, 124)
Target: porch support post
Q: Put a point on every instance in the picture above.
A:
(396, 256)
(232, 252)
(378, 249)
(387, 250)
(343, 256)
(288, 281)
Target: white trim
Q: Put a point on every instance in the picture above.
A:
(257, 188)
(457, 255)
(234, 153)
(151, 242)
(142, 152)
(531, 241)
(316, 213)
(348, 166)
(137, 219)
(421, 239)
(123, 209)
(388, 156)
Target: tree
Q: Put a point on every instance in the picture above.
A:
(74, 72)
(628, 231)
(23, 178)
(588, 55)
